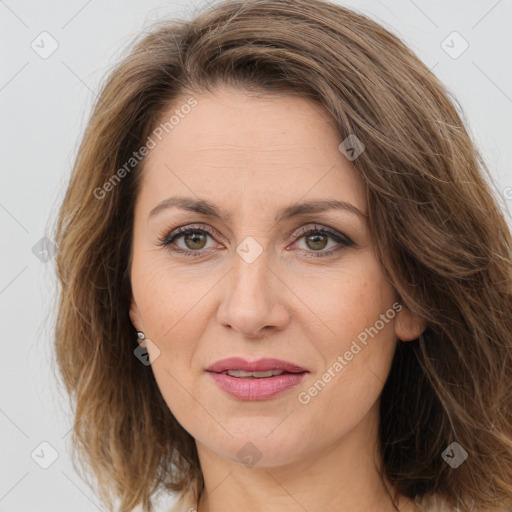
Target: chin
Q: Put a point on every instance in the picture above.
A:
(255, 447)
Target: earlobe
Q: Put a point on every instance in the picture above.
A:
(135, 318)
(135, 315)
(408, 326)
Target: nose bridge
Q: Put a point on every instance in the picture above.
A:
(250, 271)
(250, 302)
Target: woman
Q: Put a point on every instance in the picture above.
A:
(285, 277)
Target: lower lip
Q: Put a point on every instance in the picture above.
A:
(256, 389)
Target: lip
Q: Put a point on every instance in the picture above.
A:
(261, 365)
(256, 388)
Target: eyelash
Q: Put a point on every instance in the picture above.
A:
(168, 239)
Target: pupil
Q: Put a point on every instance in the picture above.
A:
(316, 238)
(193, 237)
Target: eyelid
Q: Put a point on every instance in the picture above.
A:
(167, 238)
(295, 233)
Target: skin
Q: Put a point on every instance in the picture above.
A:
(253, 156)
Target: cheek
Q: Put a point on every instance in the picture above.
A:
(358, 350)
(170, 305)
(346, 300)
(349, 385)
(171, 316)
(171, 298)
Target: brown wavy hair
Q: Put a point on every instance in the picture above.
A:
(437, 228)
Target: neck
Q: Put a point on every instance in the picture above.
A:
(344, 476)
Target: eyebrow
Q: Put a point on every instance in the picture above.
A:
(207, 208)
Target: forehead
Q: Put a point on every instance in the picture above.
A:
(232, 144)
(234, 120)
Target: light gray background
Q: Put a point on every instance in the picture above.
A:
(44, 106)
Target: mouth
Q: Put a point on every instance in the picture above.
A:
(238, 364)
(258, 380)
(242, 374)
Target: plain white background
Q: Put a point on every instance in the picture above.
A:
(45, 103)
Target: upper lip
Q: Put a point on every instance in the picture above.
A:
(238, 363)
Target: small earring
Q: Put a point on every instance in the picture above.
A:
(140, 335)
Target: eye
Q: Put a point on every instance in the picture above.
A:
(317, 239)
(195, 239)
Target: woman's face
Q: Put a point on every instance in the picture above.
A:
(254, 280)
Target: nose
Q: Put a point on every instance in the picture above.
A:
(253, 296)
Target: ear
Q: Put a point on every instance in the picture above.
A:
(408, 326)
(135, 316)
